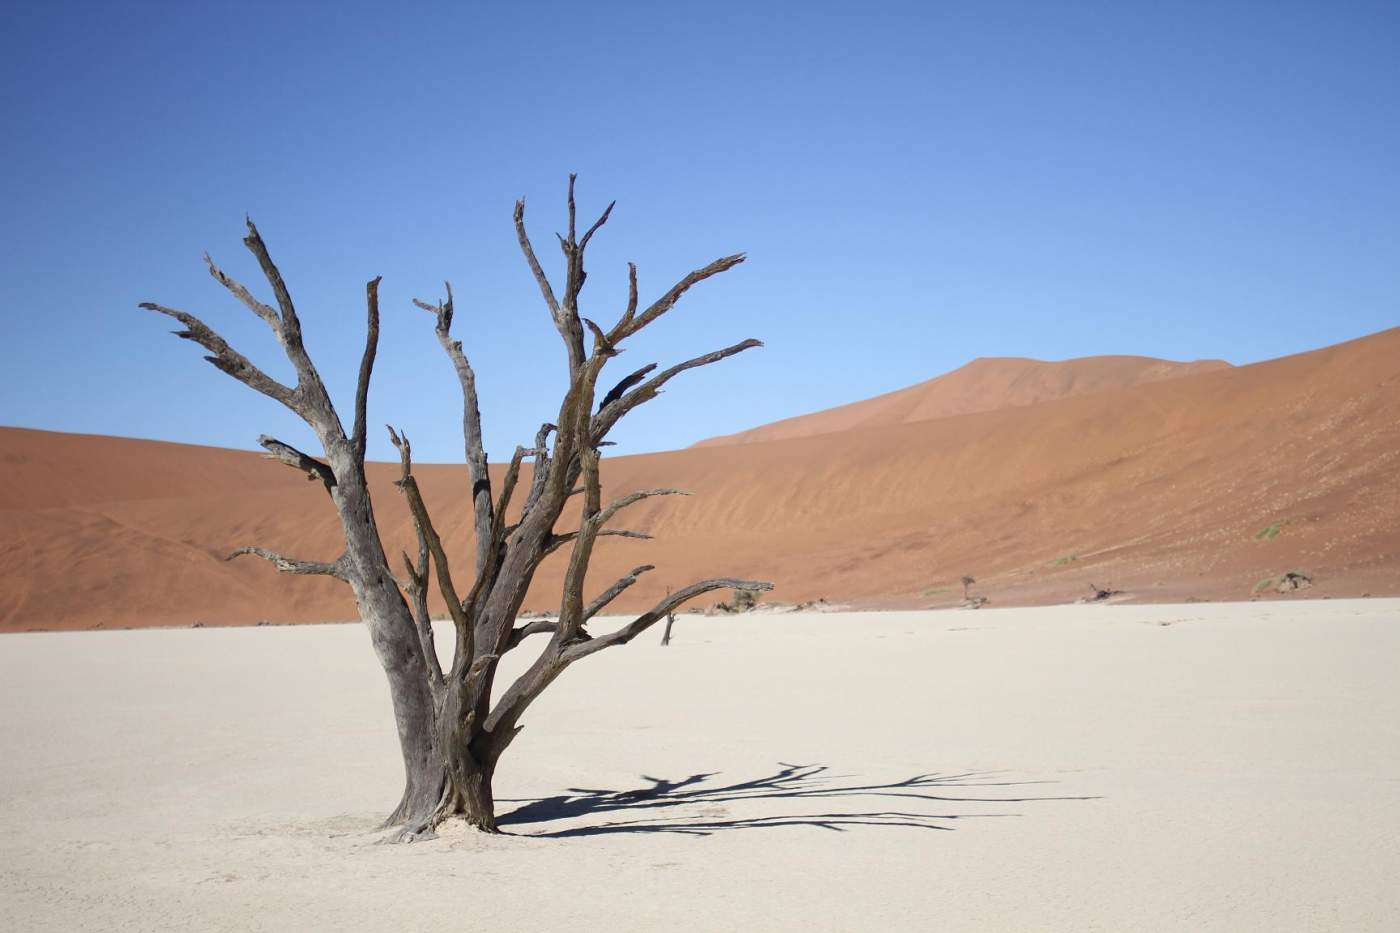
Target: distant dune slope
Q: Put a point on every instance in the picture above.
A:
(1202, 486)
(985, 384)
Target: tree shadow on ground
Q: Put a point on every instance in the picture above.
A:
(651, 809)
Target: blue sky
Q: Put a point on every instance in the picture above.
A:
(915, 184)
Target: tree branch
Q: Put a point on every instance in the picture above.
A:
(409, 486)
(508, 484)
(226, 358)
(286, 453)
(631, 312)
(286, 564)
(571, 602)
(309, 398)
(315, 401)
(609, 414)
(418, 597)
(630, 324)
(612, 592)
(563, 652)
(521, 632)
(607, 212)
(477, 472)
(634, 628)
(541, 470)
(558, 541)
(622, 502)
(488, 568)
(617, 391)
(601, 347)
(358, 437)
(541, 279)
(241, 292)
(574, 275)
(291, 324)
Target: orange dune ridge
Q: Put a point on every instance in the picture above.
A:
(1168, 481)
(985, 384)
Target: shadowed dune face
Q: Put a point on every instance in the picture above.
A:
(1166, 484)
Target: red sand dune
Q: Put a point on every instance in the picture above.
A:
(1156, 479)
(983, 385)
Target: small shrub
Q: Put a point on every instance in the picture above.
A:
(744, 600)
(1264, 584)
(1067, 559)
(1270, 533)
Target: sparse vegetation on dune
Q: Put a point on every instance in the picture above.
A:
(1287, 582)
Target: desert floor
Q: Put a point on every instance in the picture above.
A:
(1194, 767)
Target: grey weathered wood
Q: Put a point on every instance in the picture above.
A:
(609, 415)
(451, 732)
(535, 627)
(649, 618)
(286, 453)
(241, 292)
(670, 622)
(601, 601)
(424, 525)
(416, 588)
(569, 537)
(284, 564)
(477, 474)
(358, 436)
(630, 324)
(393, 632)
(224, 357)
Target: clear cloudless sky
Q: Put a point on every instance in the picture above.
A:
(915, 184)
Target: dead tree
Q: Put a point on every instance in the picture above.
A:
(1101, 593)
(670, 621)
(451, 733)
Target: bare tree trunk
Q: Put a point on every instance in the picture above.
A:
(414, 722)
(478, 799)
(394, 636)
(424, 769)
(465, 772)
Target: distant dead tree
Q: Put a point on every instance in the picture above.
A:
(1101, 593)
(967, 582)
(451, 735)
(670, 621)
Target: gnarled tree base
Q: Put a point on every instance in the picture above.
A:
(472, 799)
(468, 797)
